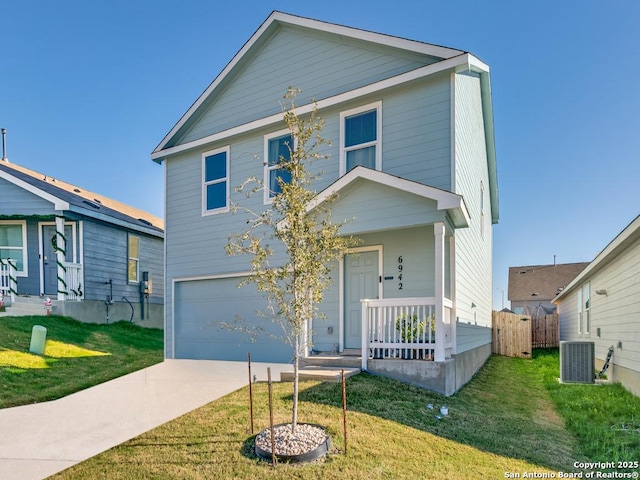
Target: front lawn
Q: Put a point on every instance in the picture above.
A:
(502, 422)
(77, 356)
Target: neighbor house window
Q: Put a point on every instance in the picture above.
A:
(580, 327)
(360, 138)
(13, 244)
(586, 297)
(277, 148)
(215, 174)
(584, 309)
(133, 264)
(482, 220)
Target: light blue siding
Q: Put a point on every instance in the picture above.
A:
(369, 206)
(472, 245)
(17, 201)
(320, 64)
(417, 132)
(469, 337)
(416, 246)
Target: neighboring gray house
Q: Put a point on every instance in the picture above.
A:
(602, 304)
(413, 163)
(533, 287)
(83, 251)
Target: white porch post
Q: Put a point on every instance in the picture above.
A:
(61, 248)
(453, 319)
(439, 233)
(13, 280)
(364, 333)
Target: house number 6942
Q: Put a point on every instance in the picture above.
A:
(400, 269)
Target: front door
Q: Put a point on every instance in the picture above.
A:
(49, 264)
(361, 280)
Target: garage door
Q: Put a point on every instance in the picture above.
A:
(201, 306)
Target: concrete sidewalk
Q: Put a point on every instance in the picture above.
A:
(39, 440)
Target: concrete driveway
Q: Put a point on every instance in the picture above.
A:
(40, 440)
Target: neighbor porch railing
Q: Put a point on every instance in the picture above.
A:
(8, 279)
(405, 328)
(73, 281)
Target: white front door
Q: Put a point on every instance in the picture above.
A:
(361, 280)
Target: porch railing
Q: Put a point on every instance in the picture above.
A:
(73, 279)
(405, 328)
(8, 279)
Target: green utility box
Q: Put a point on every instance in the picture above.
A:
(38, 339)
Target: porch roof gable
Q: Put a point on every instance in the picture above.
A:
(448, 202)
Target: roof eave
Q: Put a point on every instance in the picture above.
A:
(631, 232)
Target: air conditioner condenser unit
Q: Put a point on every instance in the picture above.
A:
(577, 362)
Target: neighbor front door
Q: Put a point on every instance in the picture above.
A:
(49, 264)
(361, 280)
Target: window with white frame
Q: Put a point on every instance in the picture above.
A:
(13, 243)
(361, 138)
(586, 297)
(215, 175)
(277, 149)
(580, 311)
(133, 263)
(584, 309)
(482, 219)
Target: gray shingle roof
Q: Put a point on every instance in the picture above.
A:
(541, 282)
(83, 201)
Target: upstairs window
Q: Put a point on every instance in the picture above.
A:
(13, 243)
(215, 173)
(277, 150)
(360, 136)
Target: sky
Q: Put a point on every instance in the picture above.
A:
(88, 89)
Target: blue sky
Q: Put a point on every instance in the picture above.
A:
(88, 89)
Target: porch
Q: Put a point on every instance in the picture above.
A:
(69, 281)
(406, 329)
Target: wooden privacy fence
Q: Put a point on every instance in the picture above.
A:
(512, 334)
(545, 331)
(517, 335)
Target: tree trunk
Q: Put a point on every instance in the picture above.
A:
(296, 359)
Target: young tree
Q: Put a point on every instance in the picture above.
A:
(311, 240)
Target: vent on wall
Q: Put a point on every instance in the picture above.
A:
(577, 361)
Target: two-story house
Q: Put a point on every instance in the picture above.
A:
(412, 160)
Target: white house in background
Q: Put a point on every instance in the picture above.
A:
(413, 162)
(602, 304)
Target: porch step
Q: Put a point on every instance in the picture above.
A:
(334, 360)
(323, 374)
(26, 306)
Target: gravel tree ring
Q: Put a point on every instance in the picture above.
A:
(309, 443)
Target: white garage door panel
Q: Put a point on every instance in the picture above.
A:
(200, 308)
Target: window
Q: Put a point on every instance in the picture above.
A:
(586, 294)
(360, 137)
(13, 243)
(215, 173)
(133, 264)
(584, 309)
(482, 220)
(580, 327)
(277, 148)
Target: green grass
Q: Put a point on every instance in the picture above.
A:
(605, 419)
(502, 421)
(77, 356)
